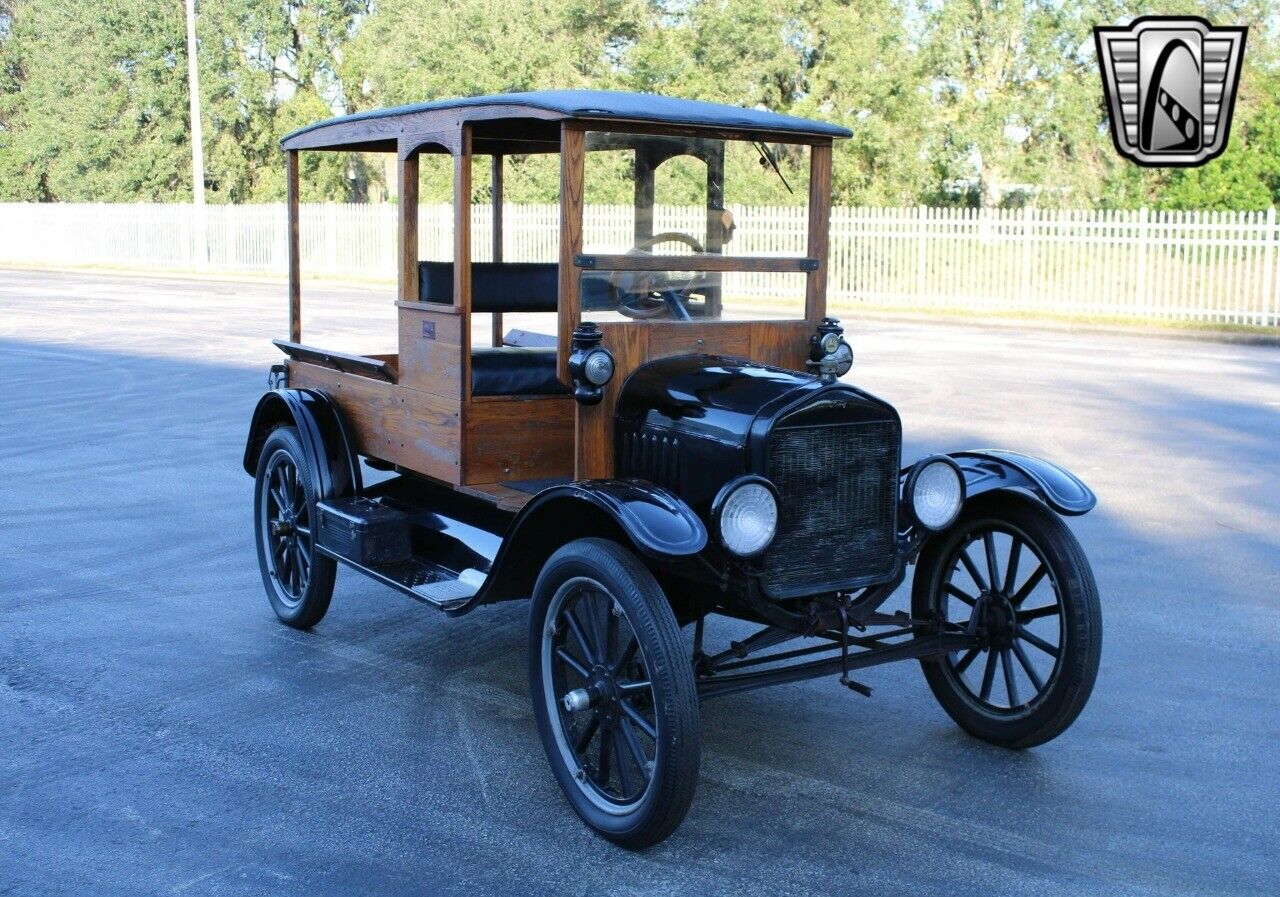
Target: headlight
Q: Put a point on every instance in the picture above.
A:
(746, 513)
(830, 343)
(598, 367)
(935, 491)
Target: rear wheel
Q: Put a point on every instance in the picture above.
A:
(298, 580)
(1011, 573)
(613, 693)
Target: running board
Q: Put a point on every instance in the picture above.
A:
(420, 579)
(375, 539)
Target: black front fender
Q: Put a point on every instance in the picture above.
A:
(324, 437)
(986, 470)
(650, 519)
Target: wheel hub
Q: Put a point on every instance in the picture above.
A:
(999, 619)
(604, 691)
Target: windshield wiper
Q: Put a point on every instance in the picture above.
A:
(766, 156)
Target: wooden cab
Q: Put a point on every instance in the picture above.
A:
(468, 404)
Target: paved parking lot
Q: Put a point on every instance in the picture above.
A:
(160, 733)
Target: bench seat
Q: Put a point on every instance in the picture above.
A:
(515, 371)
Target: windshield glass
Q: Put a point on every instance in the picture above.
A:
(736, 211)
(721, 196)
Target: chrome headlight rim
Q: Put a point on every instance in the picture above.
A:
(909, 489)
(722, 498)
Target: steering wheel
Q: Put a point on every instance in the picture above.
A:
(643, 295)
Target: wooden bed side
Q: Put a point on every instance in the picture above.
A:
(414, 429)
(517, 438)
(431, 346)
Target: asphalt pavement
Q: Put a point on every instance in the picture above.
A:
(161, 733)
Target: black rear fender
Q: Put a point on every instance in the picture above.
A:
(330, 453)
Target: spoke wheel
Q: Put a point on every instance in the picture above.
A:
(288, 527)
(613, 692)
(604, 717)
(999, 586)
(299, 582)
(1010, 574)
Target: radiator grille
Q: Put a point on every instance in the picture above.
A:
(838, 499)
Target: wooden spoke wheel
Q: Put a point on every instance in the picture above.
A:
(299, 582)
(1011, 574)
(613, 693)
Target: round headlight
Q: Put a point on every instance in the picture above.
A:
(936, 493)
(830, 343)
(598, 367)
(747, 514)
(844, 358)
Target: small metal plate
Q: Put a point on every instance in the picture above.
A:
(428, 329)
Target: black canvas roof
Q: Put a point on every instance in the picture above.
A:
(594, 104)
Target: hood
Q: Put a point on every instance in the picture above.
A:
(710, 396)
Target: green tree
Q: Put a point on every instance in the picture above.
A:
(1016, 98)
(93, 93)
(948, 100)
(266, 69)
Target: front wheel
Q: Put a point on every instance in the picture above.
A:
(1011, 574)
(613, 693)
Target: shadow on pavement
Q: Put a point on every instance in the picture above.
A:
(165, 734)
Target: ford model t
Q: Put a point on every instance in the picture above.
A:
(683, 438)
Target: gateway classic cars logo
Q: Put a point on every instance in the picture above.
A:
(1170, 84)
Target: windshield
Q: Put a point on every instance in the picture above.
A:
(693, 228)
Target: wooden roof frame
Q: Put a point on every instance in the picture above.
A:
(502, 128)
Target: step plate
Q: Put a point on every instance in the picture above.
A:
(420, 579)
(428, 581)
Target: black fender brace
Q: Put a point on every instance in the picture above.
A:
(335, 470)
(987, 470)
(653, 521)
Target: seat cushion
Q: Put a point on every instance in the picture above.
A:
(512, 286)
(495, 286)
(515, 371)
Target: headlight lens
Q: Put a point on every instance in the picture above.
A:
(937, 492)
(830, 343)
(598, 367)
(748, 518)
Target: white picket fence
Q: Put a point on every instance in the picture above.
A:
(1218, 267)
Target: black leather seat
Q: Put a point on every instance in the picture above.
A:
(511, 286)
(515, 371)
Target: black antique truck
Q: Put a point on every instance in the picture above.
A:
(685, 437)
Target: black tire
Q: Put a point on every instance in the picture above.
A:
(1018, 611)
(636, 790)
(298, 580)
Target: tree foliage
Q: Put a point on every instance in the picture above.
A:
(950, 101)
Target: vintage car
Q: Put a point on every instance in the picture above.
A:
(683, 439)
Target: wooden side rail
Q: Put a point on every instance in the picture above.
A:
(338, 361)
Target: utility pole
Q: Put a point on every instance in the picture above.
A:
(193, 89)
